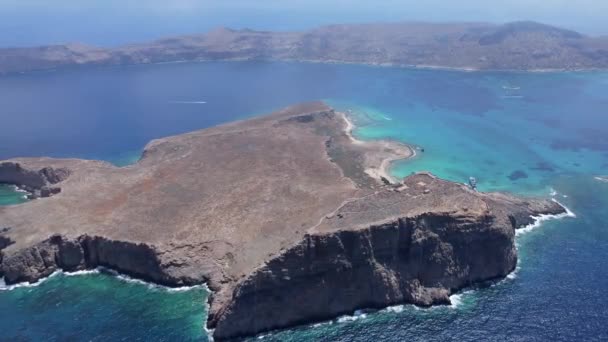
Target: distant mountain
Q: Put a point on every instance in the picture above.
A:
(477, 46)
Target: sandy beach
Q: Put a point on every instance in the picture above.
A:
(378, 165)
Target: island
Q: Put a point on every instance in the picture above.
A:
(286, 217)
(520, 45)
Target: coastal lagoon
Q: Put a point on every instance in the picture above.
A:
(536, 134)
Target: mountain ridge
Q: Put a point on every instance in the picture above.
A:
(522, 45)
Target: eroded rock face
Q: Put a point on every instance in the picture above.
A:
(36, 182)
(308, 232)
(420, 260)
(87, 252)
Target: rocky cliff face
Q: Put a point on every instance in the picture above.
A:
(138, 260)
(37, 182)
(419, 260)
(307, 233)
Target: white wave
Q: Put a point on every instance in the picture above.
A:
(4, 287)
(79, 273)
(320, 324)
(602, 179)
(122, 277)
(358, 314)
(386, 118)
(538, 220)
(151, 286)
(188, 102)
(456, 300)
(346, 319)
(552, 192)
(513, 274)
(395, 308)
(18, 189)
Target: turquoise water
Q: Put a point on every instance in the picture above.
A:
(101, 307)
(9, 195)
(532, 134)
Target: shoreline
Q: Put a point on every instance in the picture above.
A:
(464, 69)
(100, 270)
(230, 303)
(455, 296)
(540, 219)
(383, 170)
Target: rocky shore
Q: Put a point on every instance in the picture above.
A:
(279, 215)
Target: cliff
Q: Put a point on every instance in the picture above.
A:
(471, 46)
(284, 216)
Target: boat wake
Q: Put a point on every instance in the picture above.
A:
(187, 102)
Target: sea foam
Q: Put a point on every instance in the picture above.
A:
(538, 220)
(4, 287)
(122, 277)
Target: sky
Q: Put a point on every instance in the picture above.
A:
(116, 22)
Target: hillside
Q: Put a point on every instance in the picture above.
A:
(471, 46)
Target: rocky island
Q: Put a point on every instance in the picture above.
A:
(468, 46)
(285, 217)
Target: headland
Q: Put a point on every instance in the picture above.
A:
(286, 217)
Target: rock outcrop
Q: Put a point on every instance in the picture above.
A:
(38, 183)
(279, 215)
(87, 252)
(419, 254)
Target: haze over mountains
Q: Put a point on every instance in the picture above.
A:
(478, 46)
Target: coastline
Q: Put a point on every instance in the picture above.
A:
(101, 270)
(463, 69)
(378, 159)
(405, 152)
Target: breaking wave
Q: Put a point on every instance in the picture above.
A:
(100, 270)
(538, 220)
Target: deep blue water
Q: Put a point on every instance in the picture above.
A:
(539, 134)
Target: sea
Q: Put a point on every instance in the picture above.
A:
(532, 134)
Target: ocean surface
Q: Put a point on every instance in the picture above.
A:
(537, 134)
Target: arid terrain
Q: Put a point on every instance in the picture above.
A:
(467, 46)
(267, 212)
